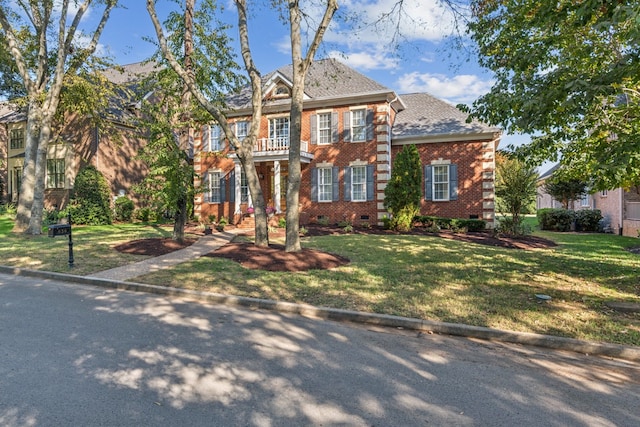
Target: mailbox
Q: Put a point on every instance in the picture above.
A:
(59, 230)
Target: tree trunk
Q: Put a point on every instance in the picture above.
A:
(245, 154)
(28, 183)
(292, 243)
(37, 207)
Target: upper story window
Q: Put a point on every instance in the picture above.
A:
(281, 91)
(55, 173)
(242, 129)
(211, 138)
(16, 139)
(279, 132)
(604, 193)
(324, 128)
(359, 125)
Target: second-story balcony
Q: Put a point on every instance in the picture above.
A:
(278, 149)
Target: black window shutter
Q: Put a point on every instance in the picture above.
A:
(314, 128)
(334, 127)
(369, 124)
(334, 182)
(453, 182)
(370, 189)
(428, 179)
(347, 184)
(232, 186)
(346, 130)
(314, 184)
(223, 189)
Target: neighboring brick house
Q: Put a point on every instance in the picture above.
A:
(353, 128)
(80, 143)
(620, 208)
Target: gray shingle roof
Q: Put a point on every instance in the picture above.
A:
(130, 73)
(326, 78)
(426, 115)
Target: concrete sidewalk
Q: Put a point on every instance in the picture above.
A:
(203, 246)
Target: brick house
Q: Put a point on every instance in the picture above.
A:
(620, 208)
(80, 143)
(353, 127)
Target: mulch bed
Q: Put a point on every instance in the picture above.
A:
(274, 257)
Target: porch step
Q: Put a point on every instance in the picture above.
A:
(247, 223)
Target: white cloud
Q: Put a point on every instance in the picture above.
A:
(365, 61)
(463, 88)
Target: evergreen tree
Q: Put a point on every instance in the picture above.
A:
(404, 191)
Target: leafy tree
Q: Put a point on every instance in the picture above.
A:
(565, 190)
(91, 203)
(208, 85)
(515, 189)
(568, 72)
(45, 49)
(403, 192)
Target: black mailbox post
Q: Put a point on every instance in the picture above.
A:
(63, 230)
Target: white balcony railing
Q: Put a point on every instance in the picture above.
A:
(278, 144)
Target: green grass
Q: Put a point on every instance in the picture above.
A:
(92, 247)
(414, 276)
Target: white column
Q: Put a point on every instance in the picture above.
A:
(276, 185)
(238, 172)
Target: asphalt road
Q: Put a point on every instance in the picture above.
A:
(75, 355)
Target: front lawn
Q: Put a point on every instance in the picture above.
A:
(408, 275)
(439, 279)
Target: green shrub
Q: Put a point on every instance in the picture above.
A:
(506, 225)
(142, 214)
(588, 220)
(282, 222)
(91, 202)
(123, 209)
(555, 219)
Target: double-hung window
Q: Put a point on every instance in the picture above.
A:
(358, 183)
(325, 185)
(359, 125)
(324, 128)
(242, 129)
(212, 187)
(441, 182)
(279, 133)
(244, 187)
(55, 173)
(215, 139)
(16, 139)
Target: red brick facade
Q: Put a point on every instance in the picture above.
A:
(474, 160)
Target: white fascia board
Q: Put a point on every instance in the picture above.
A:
(445, 137)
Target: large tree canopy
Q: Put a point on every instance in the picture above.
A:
(569, 73)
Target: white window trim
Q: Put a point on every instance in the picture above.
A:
(352, 110)
(210, 187)
(318, 135)
(447, 182)
(363, 183)
(328, 184)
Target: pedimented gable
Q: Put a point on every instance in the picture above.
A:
(278, 87)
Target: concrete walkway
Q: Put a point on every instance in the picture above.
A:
(203, 246)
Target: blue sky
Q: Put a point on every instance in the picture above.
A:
(425, 62)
